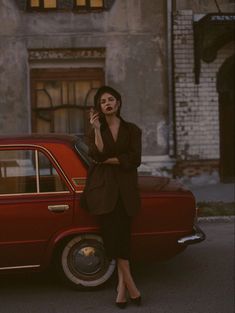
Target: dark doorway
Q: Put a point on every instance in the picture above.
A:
(226, 90)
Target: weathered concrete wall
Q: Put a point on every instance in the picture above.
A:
(133, 33)
(13, 72)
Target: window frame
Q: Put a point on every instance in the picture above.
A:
(65, 74)
(41, 6)
(36, 149)
(87, 7)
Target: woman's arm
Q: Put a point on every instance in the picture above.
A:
(95, 123)
(132, 157)
(98, 140)
(95, 141)
(93, 151)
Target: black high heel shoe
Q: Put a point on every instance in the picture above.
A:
(137, 301)
(121, 305)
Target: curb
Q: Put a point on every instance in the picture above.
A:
(210, 219)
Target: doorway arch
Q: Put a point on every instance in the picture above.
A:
(226, 90)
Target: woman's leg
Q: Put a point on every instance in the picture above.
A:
(110, 234)
(121, 287)
(128, 280)
(123, 245)
(120, 277)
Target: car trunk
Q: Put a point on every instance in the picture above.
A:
(167, 213)
(166, 205)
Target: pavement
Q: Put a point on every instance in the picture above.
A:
(213, 195)
(214, 192)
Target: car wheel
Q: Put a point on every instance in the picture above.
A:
(84, 262)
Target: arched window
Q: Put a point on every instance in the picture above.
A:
(61, 99)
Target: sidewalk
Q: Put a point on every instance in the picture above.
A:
(214, 193)
(215, 201)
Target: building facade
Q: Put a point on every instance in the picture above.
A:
(204, 80)
(54, 54)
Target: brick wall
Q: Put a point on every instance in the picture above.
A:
(196, 106)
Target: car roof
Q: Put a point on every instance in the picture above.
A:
(38, 138)
(77, 142)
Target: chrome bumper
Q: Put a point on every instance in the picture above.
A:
(197, 236)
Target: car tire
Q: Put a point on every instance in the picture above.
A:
(84, 263)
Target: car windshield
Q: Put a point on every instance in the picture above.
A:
(82, 149)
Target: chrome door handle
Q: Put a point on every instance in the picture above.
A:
(58, 208)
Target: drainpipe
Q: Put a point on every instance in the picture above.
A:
(171, 133)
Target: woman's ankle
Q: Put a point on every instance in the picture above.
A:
(121, 295)
(134, 293)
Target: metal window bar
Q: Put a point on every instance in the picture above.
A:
(37, 170)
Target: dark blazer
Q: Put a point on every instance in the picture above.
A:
(107, 181)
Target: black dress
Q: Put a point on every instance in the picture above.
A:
(116, 232)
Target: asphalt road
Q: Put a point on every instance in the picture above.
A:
(200, 280)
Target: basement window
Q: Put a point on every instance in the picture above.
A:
(42, 5)
(88, 5)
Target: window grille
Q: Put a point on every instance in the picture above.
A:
(61, 99)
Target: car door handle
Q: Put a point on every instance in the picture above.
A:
(58, 208)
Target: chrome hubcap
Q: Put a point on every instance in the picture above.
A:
(87, 259)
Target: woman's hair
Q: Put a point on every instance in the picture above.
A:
(110, 90)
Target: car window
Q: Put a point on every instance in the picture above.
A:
(28, 171)
(17, 172)
(82, 149)
(49, 179)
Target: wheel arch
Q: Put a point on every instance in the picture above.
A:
(60, 239)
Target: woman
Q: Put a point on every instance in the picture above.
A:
(115, 146)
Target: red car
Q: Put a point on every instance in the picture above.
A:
(41, 180)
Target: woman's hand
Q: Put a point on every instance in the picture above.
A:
(95, 123)
(113, 161)
(94, 119)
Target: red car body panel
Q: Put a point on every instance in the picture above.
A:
(30, 232)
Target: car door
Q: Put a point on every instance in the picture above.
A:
(36, 201)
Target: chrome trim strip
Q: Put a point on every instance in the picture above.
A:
(195, 237)
(34, 193)
(80, 178)
(37, 170)
(48, 152)
(18, 267)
